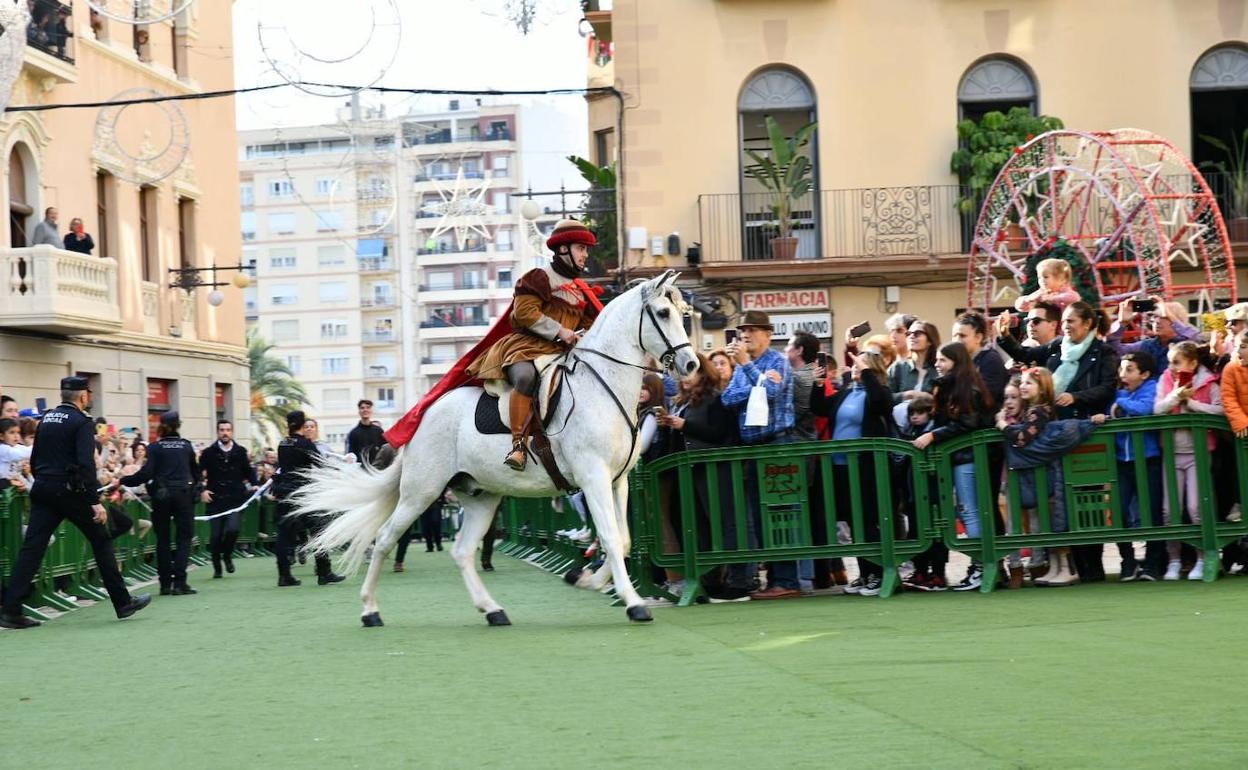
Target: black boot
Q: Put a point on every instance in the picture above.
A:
(229, 564)
(182, 589)
(165, 589)
(288, 580)
(326, 579)
(216, 567)
(17, 621)
(135, 604)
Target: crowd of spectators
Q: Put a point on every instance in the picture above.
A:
(1046, 377)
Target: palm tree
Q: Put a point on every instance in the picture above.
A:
(274, 389)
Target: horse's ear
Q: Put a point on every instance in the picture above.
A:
(670, 279)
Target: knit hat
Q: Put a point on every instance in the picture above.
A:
(570, 231)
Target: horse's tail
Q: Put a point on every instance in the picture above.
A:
(357, 501)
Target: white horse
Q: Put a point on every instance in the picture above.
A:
(593, 433)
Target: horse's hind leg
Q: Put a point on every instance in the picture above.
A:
(404, 514)
(478, 514)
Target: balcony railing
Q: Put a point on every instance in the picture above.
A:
(50, 30)
(379, 373)
(435, 322)
(62, 292)
(862, 223)
(447, 176)
(437, 359)
(445, 136)
(447, 249)
(456, 286)
(377, 302)
(376, 265)
(378, 336)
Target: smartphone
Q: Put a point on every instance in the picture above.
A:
(101, 429)
(861, 330)
(1185, 378)
(730, 336)
(821, 359)
(659, 411)
(1143, 305)
(41, 404)
(112, 429)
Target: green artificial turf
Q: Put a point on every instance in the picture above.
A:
(248, 675)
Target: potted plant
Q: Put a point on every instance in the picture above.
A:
(1236, 169)
(984, 147)
(787, 175)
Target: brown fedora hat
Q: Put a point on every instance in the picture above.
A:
(756, 319)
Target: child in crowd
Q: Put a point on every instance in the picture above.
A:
(1012, 414)
(1055, 286)
(14, 455)
(1188, 386)
(1235, 389)
(1136, 398)
(914, 418)
(1039, 404)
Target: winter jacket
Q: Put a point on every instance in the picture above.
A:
(1235, 395)
(877, 412)
(951, 426)
(903, 376)
(1207, 399)
(1094, 384)
(1137, 403)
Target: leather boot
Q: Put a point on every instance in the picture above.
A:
(521, 408)
(1016, 577)
(216, 566)
(1061, 569)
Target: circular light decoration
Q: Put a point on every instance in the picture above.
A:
(14, 18)
(215, 298)
(241, 280)
(530, 210)
(137, 11)
(163, 144)
(1131, 212)
(368, 37)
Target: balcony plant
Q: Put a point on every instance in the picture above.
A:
(985, 146)
(787, 175)
(599, 214)
(1235, 167)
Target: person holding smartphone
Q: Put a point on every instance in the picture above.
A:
(78, 239)
(1162, 327)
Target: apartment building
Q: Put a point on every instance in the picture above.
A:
(156, 188)
(881, 231)
(384, 246)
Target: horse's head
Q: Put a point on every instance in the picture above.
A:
(661, 328)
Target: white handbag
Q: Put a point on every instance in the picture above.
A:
(757, 415)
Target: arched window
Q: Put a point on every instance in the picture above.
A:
(995, 83)
(21, 199)
(785, 95)
(1219, 97)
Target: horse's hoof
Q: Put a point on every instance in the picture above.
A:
(573, 575)
(497, 618)
(639, 614)
(372, 620)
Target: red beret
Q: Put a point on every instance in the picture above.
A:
(570, 231)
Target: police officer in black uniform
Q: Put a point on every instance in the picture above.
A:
(295, 455)
(172, 478)
(367, 438)
(227, 472)
(63, 463)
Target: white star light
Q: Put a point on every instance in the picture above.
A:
(461, 210)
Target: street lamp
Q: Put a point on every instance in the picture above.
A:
(191, 278)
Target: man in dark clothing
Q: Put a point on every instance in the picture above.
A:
(63, 464)
(367, 438)
(228, 473)
(295, 455)
(172, 477)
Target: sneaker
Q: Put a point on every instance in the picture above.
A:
(916, 582)
(1144, 576)
(1130, 575)
(1236, 513)
(854, 586)
(675, 587)
(1198, 571)
(906, 571)
(937, 583)
(973, 580)
(871, 587)
(725, 594)
(1172, 571)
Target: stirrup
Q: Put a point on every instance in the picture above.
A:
(517, 459)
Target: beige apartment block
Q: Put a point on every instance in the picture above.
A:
(156, 187)
(368, 285)
(887, 83)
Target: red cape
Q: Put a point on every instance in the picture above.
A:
(403, 430)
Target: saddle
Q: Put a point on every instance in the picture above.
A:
(493, 411)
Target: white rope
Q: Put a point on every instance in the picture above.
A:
(259, 491)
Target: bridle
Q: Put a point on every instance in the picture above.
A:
(667, 361)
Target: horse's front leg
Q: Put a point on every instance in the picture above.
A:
(599, 494)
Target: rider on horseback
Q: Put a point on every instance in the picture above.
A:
(551, 304)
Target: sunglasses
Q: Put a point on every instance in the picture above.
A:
(916, 334)
(1035, 319)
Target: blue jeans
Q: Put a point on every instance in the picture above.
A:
(783, 574)
(1129, 494)
(968, 498)
(1029, 498)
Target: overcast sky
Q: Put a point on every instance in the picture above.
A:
(443, 44)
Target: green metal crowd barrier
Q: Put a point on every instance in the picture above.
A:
(69, 563)
(816, 500)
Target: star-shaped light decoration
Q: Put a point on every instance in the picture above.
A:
(1180, 227)
(461, 210)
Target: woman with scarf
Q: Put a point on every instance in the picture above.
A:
(1085, 378)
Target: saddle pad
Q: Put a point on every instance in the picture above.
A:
(487, 418)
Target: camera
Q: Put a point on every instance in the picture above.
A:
(1143, 305)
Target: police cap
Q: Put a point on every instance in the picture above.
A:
(170, 418)
(75, 383)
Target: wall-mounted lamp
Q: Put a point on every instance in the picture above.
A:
(191, 278)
